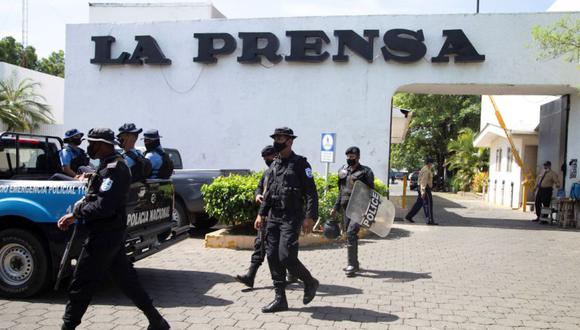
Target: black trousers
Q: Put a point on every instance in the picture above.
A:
(103, 254)
(352, 228)
(543, 198)
(423, 203)
(282, 237)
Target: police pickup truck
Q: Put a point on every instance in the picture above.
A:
(31, 202)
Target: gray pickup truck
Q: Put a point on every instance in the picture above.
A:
(189, 207)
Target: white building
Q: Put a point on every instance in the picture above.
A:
(151, 12)
(521, 114)
(50, 87)
(220, 114)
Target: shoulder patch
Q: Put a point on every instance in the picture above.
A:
(112, 165)
(106, 184)
(308, 172)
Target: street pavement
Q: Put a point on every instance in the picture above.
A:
(482, 268)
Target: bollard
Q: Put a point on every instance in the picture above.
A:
(404, 197)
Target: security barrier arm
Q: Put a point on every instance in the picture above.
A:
(528, 177)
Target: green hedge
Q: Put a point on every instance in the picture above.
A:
(231, 199)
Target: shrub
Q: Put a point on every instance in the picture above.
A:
(479, 180)
(231, 199)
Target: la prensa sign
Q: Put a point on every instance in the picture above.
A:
(400, 45)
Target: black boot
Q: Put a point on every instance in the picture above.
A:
(156, 321)
(353, 266)
(159, 325)
(248, 279)
(279, 304)
(291, 279)
(67, 327)
(310, 290)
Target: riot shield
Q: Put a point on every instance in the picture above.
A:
(371, 210)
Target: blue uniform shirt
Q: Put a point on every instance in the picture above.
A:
(156, 161)
(67, 154)
(130, 162)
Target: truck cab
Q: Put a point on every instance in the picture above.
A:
(32, 201)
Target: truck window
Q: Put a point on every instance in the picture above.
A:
(33, 160)
(7, 162)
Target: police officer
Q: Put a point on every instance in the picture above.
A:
(154, 152)
(268, 154)
(103, 212)
(140, 166)
(290, 203)
(72, 157)
(544, 189)
(425, 198)
(350, 173)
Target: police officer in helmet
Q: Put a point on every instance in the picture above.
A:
(140, 166)
(72, 158)
(154, 152)
(103, 213)
(290, 204)
(348, 174)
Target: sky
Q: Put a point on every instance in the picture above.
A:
(47, 18)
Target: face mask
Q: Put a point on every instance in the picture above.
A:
(278, 146)
(351, 162)
(91, 151)
(269, 162)
(76, 142)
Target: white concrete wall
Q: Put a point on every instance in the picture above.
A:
(573, 146)
(503, 175)
(51, 88)
(220, 115)
(151, 12)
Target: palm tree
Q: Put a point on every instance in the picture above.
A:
(465, 160)
(21, 108)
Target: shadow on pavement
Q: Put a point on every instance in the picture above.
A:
(473, 212)
(167, 288)
(394, 234)
(330, 313)
(393, 275)
(324, 290)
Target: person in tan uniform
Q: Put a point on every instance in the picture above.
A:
(425, 198)
(544, 188)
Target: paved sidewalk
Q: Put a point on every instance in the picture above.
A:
(482, 268)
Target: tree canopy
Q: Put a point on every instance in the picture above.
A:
(13, 52)
(560, 39)
(436, 120)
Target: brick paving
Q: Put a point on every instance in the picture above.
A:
(482, 268)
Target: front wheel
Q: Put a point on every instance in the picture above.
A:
(180, 215)
(23, 264)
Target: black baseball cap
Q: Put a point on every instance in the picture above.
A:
(268, 151)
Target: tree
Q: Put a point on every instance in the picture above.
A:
(14, 53)
(465, 159)
(560, 39)
(21, 108)
(436, 120)
(54, 64)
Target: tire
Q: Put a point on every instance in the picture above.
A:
(203, 221)
(23, 264)
(180, 215)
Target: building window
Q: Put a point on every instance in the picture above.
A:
(510, 159)
(498, 160)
